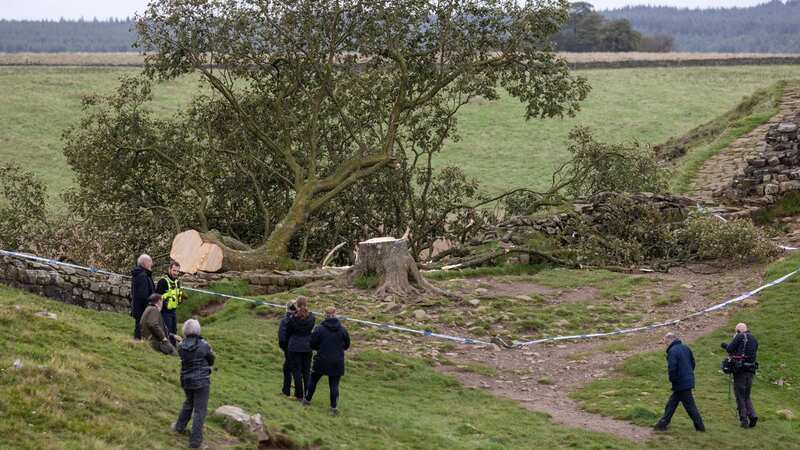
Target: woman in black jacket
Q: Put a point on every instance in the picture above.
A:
(330, 340)
(197, 358)
(298, 335)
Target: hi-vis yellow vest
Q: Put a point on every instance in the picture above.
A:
(173, 295)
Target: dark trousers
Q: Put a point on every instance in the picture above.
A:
(287, 375)
(164, 347)
(301, 371)
(196, 402)
(171, 322)
(333, 384)
(137, 327)
(687, 399)
(742, 383)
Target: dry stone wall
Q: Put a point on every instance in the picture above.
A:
(74, 286)
(112, 292)
(776, 169)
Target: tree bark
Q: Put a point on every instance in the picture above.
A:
(391, 261)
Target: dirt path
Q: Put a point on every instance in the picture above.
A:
(542, 377)
(717, 172)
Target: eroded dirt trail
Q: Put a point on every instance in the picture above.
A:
(542, 377)
(718, 172)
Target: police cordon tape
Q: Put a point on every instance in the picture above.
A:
(712, 308)
(383, 326)
(428, 333)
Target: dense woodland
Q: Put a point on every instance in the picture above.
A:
(112, 35)
(588, 31)
(770, 27)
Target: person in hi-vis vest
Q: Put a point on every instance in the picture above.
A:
(170, 289)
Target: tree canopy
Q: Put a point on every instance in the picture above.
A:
(307, 99)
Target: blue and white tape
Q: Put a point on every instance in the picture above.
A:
(653, 326)
(384, 326)
(428, 333)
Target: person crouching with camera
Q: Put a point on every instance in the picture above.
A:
(742, 350)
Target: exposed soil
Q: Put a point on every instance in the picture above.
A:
(211, 308)
(542, 377)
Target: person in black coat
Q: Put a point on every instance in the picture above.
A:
(298, 338)
(142, 288)
(283, 343)
(197, 358)
(330, 340)
(743, 348)
(680, 365)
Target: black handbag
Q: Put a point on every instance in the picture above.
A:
(727, 365)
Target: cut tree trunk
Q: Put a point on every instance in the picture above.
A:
(391, 261)
(193, 254)
(212, 252)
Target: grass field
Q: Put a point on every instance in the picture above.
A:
(133, 58)
(85, 385)
(639, 389)
(498, 146)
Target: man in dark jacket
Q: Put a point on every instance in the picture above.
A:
(197, 358)
(283, 343)
(298, 338)
(680, 365)
(743, 348)
(154, 330)
(142, 288)
(330, 340)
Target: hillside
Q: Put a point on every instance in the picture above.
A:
(768, 27)
(497, 146)
(85, 385)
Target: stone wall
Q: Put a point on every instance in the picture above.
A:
(775, 170)
(265, 282)
(112, 292)
(66, 284)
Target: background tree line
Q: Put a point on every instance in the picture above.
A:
(766, 28)
(585, 31)
(588, 31)
(111, 35)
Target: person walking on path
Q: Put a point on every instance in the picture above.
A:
(154, 330)
(680, 365)
(197, 358)
(298, 338)
(743, 349)
(330, 339)
(283, 343)
(142, 288)
(170, 289)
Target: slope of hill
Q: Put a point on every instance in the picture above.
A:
(768, 27)
(637, 392)
(85, 385)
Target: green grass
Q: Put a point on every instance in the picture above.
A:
(709, 139)
(646, 105)
(639, 389)
(39, 103)
(85, 385)
(498, 147)
(787, 206)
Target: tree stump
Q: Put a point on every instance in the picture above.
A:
(391, 261)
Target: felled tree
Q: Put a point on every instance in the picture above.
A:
(322, 93)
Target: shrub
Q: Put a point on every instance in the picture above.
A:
(707, 238)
